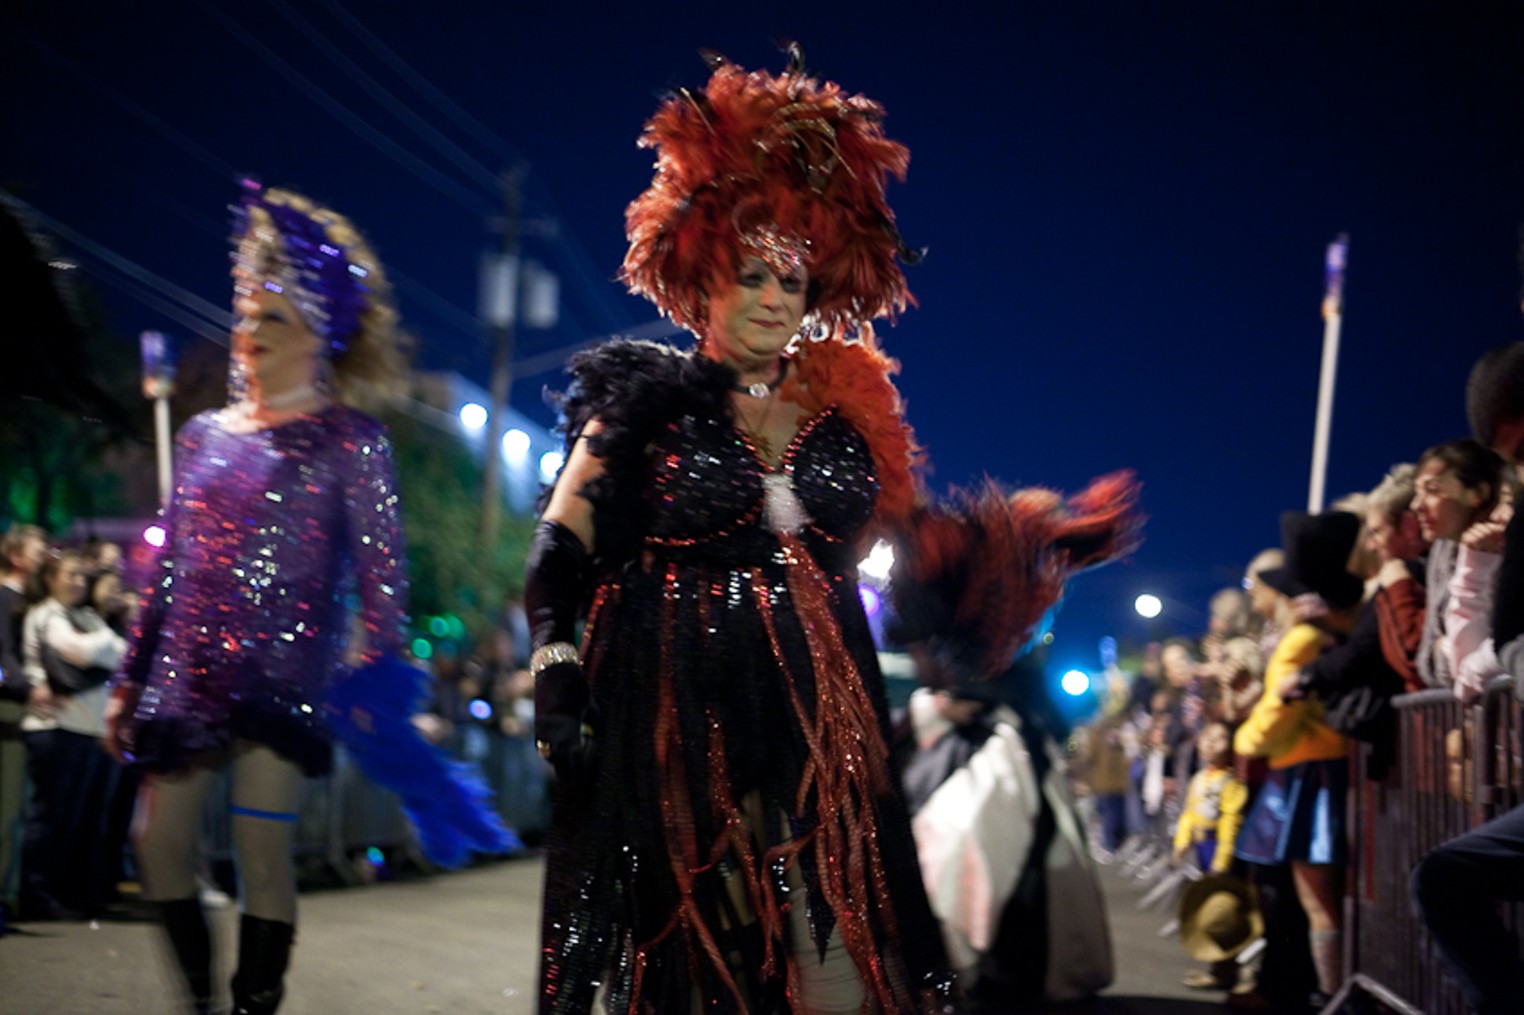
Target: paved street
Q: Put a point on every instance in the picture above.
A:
(461, 943)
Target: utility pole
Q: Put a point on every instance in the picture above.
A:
(500, 291)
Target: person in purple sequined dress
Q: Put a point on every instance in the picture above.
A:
(284, 507)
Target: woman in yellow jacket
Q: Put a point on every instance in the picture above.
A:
(1298, 817)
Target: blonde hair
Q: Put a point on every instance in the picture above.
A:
(1394, 493)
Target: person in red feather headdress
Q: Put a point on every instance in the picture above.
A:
(729, 833)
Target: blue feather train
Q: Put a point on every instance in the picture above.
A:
(370, 710)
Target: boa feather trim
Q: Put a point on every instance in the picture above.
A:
(976, 576)
(855, 377)
(634, 388)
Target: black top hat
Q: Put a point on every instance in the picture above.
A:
(1317, 549)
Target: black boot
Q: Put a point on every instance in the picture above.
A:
(189, 936)
(263, 949)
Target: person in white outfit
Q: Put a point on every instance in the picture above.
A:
(68, 653)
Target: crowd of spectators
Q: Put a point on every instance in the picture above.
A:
(64, 806)
(1227, 754)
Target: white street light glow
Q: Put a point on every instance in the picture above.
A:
(473, 416)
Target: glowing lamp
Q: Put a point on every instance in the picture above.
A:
(515, 445)
(473, 416)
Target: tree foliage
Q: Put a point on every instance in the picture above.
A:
(440, 483)
(52, 467)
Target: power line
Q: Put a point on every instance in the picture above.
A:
(446, 310)
(442, 144)
(466, 321)
(581, 266)
(579, 263)
(187, 320)
(440, 100)
(376, 137)
(220, 166)
(213, 314)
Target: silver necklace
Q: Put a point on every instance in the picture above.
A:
(761, 389)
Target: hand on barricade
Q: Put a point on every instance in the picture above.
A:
(1475, 672)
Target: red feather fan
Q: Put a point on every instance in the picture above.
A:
(976, 576)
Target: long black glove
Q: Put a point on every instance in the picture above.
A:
(557, 576)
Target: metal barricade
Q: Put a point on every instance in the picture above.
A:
(1457, 767)
(516, 774)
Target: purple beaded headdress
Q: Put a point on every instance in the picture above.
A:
(317, 275)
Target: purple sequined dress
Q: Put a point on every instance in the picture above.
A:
(272, 535)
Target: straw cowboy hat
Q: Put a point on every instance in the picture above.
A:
(1219, 917)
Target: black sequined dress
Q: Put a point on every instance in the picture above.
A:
(740, 718)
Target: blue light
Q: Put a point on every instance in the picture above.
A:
(479, 709)
(375, 856)
(871, 600)
(1075, 683)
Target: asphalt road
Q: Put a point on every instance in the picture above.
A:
(462, 943)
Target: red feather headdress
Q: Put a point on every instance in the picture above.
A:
(778, 155)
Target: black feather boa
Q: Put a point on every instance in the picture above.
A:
(634, 389)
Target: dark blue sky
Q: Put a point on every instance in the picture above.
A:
(1126, 207)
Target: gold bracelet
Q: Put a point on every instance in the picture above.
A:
(549, 655)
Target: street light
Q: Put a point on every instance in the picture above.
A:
(1148, 606)
(515, 446)
(473, 416)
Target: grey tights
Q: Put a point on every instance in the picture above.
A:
(167, 828)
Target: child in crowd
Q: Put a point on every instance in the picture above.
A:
(1208, 826)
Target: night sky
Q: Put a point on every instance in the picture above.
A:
(1126, 207)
